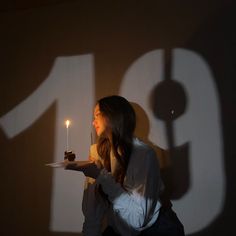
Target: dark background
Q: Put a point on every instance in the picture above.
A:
(34, 33)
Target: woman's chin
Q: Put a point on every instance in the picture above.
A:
(100, 133)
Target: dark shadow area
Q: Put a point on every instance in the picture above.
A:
(168, 102)
(174, 162)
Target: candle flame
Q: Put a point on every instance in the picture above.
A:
(67, 123)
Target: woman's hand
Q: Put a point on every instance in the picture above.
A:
(91, 170)
(70, 165)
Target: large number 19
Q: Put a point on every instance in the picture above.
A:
(71, 85)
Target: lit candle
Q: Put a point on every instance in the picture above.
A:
(67, 134)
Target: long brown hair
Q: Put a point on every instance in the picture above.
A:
(122, 121)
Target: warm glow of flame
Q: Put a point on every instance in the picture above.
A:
(67, 123)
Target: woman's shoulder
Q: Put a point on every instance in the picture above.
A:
(141, 147)
(143, 156)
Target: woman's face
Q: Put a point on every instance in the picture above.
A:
(99, 122)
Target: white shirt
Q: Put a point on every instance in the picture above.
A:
(132, 209)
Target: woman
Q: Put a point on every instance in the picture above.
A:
(123, 188)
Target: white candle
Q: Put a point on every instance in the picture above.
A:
(67, 134)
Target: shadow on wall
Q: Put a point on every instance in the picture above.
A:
(174, 162)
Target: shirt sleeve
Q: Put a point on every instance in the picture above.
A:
(137, 203)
